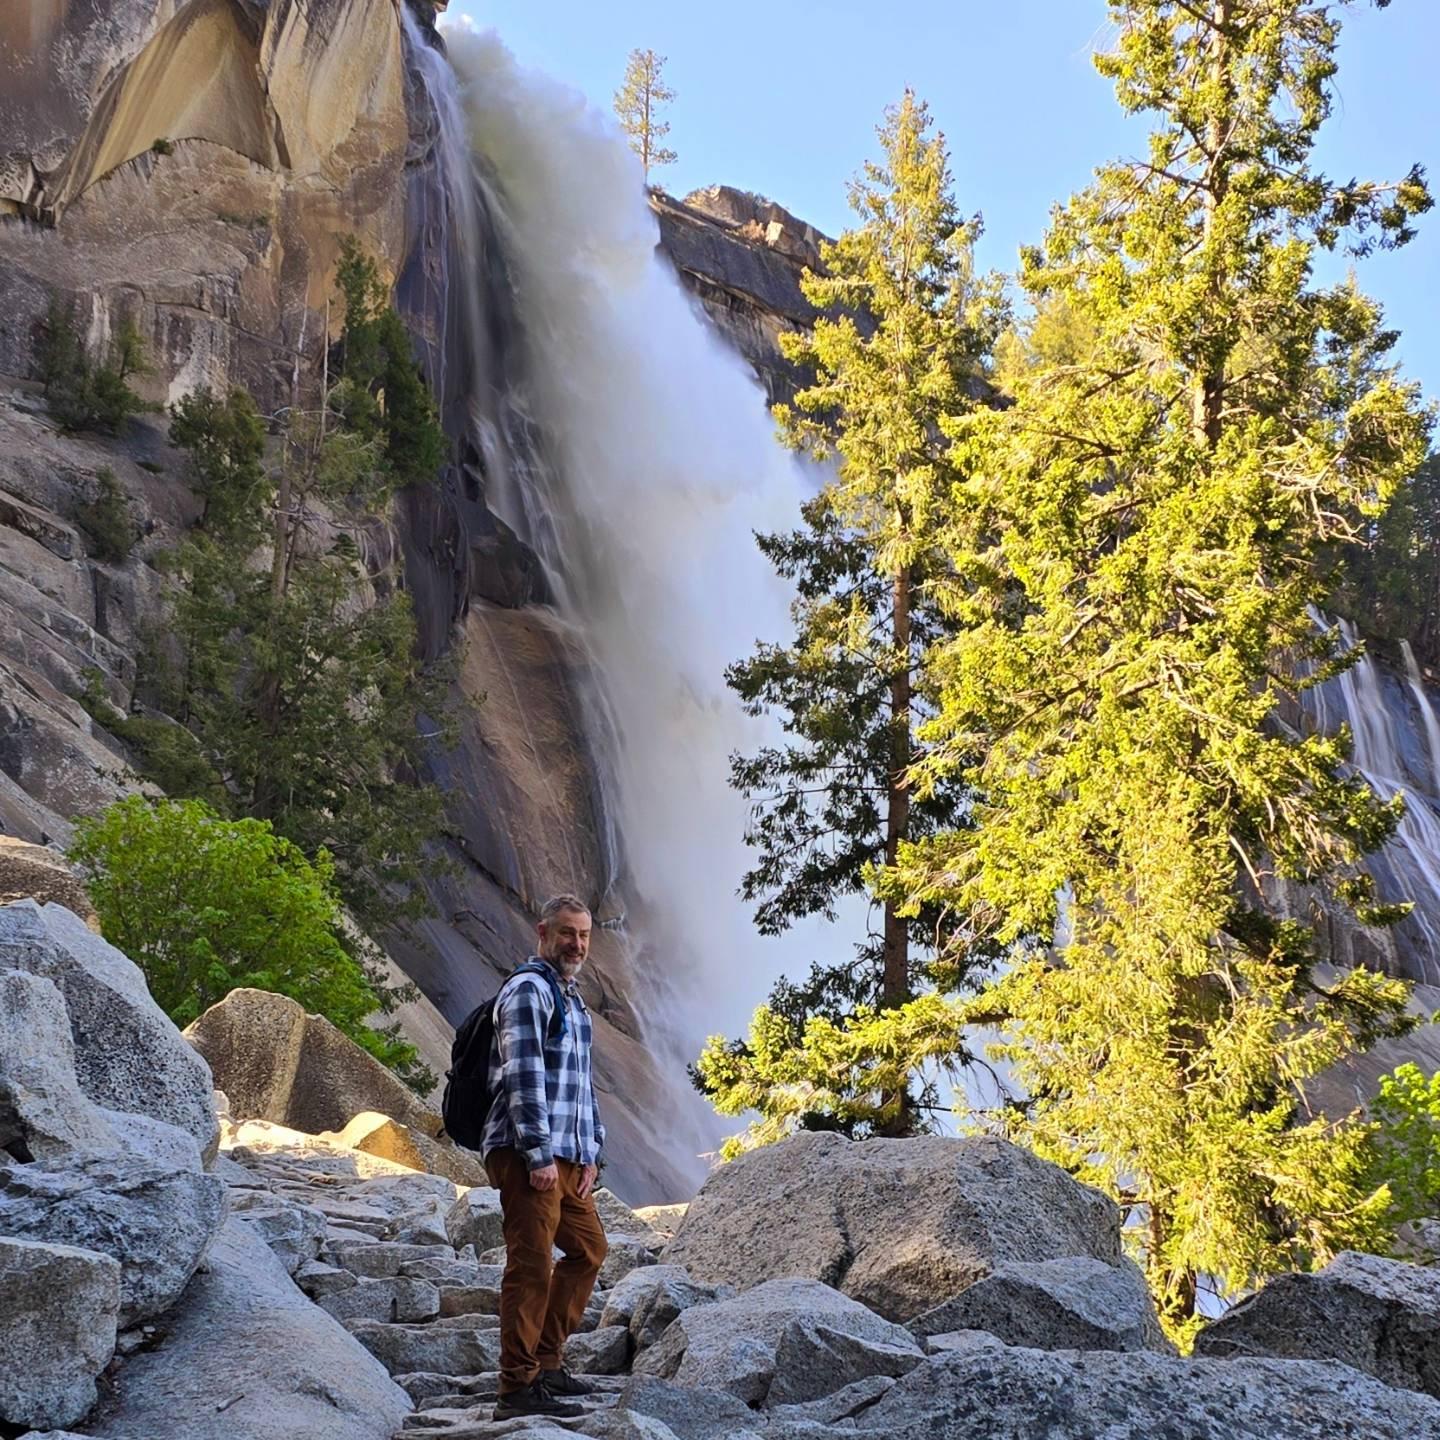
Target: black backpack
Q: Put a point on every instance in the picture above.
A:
(468, 1097)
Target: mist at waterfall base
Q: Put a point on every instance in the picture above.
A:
(663, 464)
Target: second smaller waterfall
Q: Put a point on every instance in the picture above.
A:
(1396, 737)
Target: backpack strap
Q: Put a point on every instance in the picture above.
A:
(559, 1018)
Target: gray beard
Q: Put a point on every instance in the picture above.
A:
(568, 969)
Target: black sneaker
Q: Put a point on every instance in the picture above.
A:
(534, 1399)
(562, 1382)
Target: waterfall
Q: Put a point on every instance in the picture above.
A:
(1396, 746)
(638, 461)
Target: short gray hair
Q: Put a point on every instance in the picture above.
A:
(553, 907)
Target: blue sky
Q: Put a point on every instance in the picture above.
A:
(783, 98)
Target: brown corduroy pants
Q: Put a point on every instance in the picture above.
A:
(541, 1302)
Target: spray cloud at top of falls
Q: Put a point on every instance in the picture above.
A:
(661, 463)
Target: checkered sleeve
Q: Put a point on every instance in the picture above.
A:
(524, 1013)
(599, 1128)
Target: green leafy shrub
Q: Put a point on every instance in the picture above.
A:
(205, 905)
(107, 520)
(1407, 1142)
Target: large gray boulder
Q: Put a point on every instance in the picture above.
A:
(900, 1225)
(156, 1221)
(277, 1062)
(129, 1057)
(1381, 1316)
(1072, 1304)
(987, 1393)
(58, 1311)
(734, 1344)
(247, 1357)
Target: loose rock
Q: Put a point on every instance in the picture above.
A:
(399, 1299)
(476, 1219)
(1071, 1304)
(58, 1312)
(447, 1349)
(605, 1351)
(157, 1223)
(732, 1344)
(1381, 1316)
(294, 1232)
(626, 1253)
(648, 1299)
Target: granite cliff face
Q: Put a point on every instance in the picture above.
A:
(742, 256)
(281, 128)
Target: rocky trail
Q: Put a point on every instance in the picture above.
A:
(411, 1265)
(170, 1271)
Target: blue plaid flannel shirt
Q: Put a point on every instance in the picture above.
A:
(545, 1100)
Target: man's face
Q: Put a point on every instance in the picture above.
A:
(565, 941)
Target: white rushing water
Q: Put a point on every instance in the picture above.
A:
(661, 464)
(1396, 746)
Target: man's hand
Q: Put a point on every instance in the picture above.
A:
(587, 1181)
(545, 1178)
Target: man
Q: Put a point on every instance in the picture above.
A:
(541, 1149)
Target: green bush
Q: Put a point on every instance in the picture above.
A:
(1407, 1143)
(107, 519)
(205, 905)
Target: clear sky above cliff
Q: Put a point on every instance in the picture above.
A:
(783, 98)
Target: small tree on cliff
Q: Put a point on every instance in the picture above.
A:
(913, 335)
(1135, 545)
(638, 103)
(300, 672)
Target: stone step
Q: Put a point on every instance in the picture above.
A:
(398, 1299)
(422, 1386)
(452, 1350)
(463, 1423)
(380, 1259)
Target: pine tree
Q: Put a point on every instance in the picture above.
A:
(638, 103)
(300, 670)
(909, 342)
(1137, 543)
(86, 393)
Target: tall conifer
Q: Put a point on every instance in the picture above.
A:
(1137, 546)
(903, 341)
